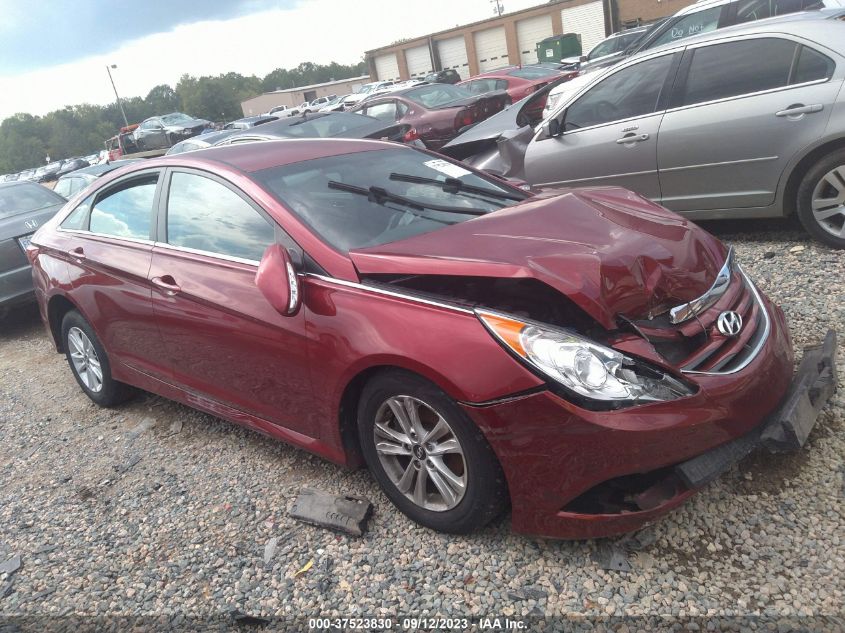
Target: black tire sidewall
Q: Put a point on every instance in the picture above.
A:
(486, 493)
(804, 199)
(113, 392)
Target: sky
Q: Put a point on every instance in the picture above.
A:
(55, 53)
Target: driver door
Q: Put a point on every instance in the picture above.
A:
(609, 133)
(153, 135)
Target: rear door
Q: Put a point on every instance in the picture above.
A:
(744, 109)
(610, 132)
(223, 340)
(107, 243)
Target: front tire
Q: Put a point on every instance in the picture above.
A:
(431, 461)
(821, 200)
(89, 362)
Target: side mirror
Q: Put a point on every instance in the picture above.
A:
(583, 58)
(555, 128)
(277, 280)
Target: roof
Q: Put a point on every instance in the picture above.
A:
(461, 27)
(818, 26)
(251, 157)
(325, 83)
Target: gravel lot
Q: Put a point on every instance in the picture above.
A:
(154, 508)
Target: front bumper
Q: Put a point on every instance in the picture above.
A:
(784, 430)
(561, 461)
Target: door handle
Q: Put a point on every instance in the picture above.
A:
(797, 109)
(77, 253)
(632, 138)
(166, 284)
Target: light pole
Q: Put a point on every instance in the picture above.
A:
(499, 8)
(117, 96)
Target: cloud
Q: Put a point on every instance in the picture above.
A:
(320, 31)
(37, 34)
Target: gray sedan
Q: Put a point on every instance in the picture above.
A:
(24, 206)
(744, 122)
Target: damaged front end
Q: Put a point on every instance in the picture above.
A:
(663, 363)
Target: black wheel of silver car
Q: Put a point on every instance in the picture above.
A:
(429, 458)
(89, 362)
(821, 200)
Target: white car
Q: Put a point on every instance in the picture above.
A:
(335, 105)
(363, 92)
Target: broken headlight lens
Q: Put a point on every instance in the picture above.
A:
(592, 371)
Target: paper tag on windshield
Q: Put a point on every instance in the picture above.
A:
(445, 167)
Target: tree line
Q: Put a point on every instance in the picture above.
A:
(77, 130)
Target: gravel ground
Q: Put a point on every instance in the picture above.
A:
(154, 508)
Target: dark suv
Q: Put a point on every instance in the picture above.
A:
(448, 76)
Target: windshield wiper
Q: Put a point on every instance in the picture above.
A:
(380, 195)
(454, 185)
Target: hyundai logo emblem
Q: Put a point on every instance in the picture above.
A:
(729, 323)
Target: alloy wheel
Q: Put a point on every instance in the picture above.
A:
(828, 202)
(420, 453)
(86, 363)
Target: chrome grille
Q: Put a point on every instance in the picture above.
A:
(728, 354)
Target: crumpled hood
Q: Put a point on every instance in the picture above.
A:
(609, 250)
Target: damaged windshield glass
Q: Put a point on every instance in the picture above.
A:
(350, 201)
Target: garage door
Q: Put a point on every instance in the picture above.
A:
(387, 67)
(588, 21)
(453, 54)
(491, 47)
(419, 61)
(529, 32)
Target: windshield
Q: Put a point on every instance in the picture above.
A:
(613, 45)
(331, 125)
(175, 118)
(437, 95)
(25, 197)
(314, 191)
(366, 88)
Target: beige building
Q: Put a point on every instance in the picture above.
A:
(296, 96)
(511, 39)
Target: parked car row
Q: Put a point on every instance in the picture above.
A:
(744, 122)
(51, 171)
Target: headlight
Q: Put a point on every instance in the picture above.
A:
(601, 376)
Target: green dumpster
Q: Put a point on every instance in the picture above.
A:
(558, 47)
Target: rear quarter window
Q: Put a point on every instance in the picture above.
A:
(732, 69)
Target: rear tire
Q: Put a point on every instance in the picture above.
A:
(89, 362)
(435, 465)
(821, 200)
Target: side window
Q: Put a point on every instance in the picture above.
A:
(127, 211)
(64, 187)
(383, 111)
(633, 91)
(812, 66)
(501, 84)
(689, 25)
(736, 68)
(750, 10)
(78, 218)
(204, 215)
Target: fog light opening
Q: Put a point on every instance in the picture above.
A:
(629, 493)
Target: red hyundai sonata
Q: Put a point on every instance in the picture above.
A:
(589, 358)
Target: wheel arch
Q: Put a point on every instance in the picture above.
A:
(57, 307)
(805, 164)
(347, 418)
